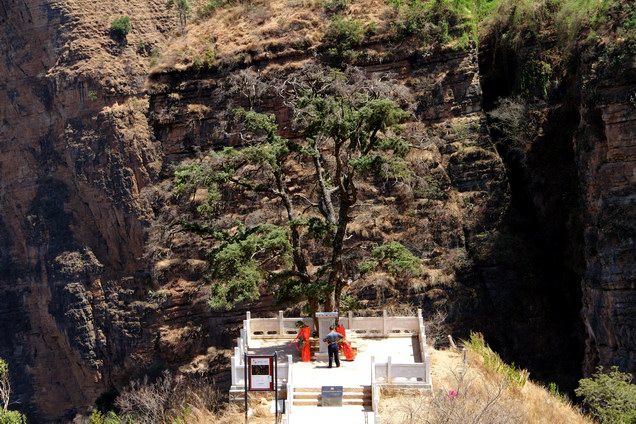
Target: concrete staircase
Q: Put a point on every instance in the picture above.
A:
(352, 396)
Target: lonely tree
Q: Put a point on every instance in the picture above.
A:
(303, 187)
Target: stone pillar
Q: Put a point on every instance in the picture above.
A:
(325, 320)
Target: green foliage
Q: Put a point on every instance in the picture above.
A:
(335, 6)
(493, 362)
(436, 21)
(349, 303)
(6, 416)
(189, 177)
(535, 79)
(238, 264)
(183, 10)
(610, 396)
(12, 417)
(341, 38)
(554, 391)
(120, 27)
(431, 188)
(98, 417)
(92, 95)
(393, 257)
(206, 60)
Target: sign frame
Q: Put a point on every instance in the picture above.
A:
(256, 380)
(271, 361)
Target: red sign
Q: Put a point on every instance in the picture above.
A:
(261, 373)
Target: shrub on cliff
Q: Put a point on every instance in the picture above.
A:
(610, 396)
(436, 21)
(6, 416)
(341, 38)
(183, 10)
(396, 259)
(120, 27)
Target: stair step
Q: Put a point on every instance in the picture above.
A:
(309, 395)
(359, 389)
(345, 402)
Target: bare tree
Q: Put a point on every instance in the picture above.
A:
(5, 385)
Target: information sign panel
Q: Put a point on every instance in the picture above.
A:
(261, 373)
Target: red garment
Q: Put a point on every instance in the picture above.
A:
(349, 354)
(303, 344)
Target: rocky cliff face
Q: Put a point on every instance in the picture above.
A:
(605, 143)
(575, 182)
(73, 284)
(98, 285)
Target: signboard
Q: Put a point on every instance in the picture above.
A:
(326, 314)
(331, 395)
(261, 373)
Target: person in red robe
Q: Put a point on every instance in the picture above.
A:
(349, 354)
(302, 343)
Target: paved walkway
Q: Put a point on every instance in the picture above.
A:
(350, 374)
(358, 372)
(341, 415)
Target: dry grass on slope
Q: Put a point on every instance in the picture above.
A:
(487, 391)
(86, 49)
(253, 30)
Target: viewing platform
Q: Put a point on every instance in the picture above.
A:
(390, 352)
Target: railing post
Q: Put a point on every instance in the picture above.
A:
(389, 378)
(290, 388)
(375, 398)
(350, 316)
(243, 340)
(427, 369)
(385, 330)
(248, 328)
(281, 325)
(235, 362)
(372, 368)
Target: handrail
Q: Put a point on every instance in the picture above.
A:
(281, 327)
(375, 395)
(290, 390)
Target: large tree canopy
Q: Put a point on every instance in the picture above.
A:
(346, 129)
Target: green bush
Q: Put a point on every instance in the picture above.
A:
(341, 38)
(436, 21)
(98, 417)
(610, 396)
(120, 27)
(11, 417)
(335, 6)
(396, 259)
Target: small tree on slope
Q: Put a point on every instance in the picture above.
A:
(6, 416)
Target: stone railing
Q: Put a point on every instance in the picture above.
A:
(388, 373)
(367, 327)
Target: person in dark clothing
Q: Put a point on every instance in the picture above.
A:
(332, 345)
